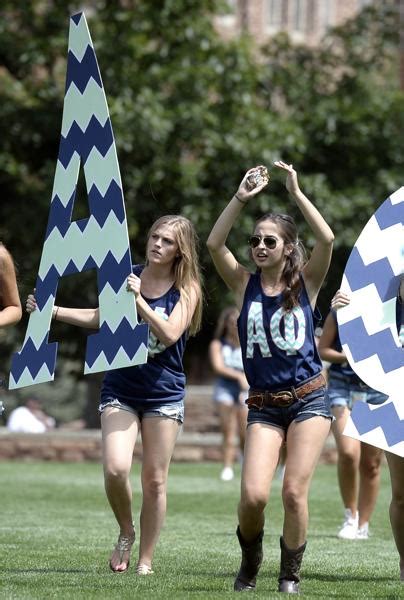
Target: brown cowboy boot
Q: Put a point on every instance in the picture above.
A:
(251, 559)
(289, 575)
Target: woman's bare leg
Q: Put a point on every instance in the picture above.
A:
(119, 432)
(159, 435)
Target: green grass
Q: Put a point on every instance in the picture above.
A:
(56, 533)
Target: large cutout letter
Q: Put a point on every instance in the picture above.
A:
(100, 242)
(368, 328)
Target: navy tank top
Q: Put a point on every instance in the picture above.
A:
(162, 378)
(341, 369)
(278, 347)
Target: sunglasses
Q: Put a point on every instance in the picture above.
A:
(269, 240)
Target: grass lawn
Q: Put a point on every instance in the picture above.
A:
(57, 531)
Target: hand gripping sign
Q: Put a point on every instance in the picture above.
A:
(368, 328)
(100, 242)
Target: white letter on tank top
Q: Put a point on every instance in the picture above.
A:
(155, 346)
(289, 341)
(256, 331)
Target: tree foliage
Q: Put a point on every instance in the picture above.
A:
(191, 112)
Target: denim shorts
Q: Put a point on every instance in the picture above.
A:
(343, 393)
(315, 404)
(228, 394)
(170, 410)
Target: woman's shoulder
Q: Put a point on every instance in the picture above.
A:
(137, 269)
(6, 260)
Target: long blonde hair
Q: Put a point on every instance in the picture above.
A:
(187, 272)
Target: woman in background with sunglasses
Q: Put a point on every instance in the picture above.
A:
(287, 399)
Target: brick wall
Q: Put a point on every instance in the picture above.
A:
(199, 440)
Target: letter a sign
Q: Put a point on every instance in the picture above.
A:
(368, 327)
(99, 242)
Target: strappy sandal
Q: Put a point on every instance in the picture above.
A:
(124, 544)
(142, 569)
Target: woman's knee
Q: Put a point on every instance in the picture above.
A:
(116, 472)
(294, 497)
(348, 458)
(154, 485)
(253, 501)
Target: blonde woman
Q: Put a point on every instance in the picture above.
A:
(148, 398)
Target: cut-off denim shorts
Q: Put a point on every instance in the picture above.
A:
(344, 393)
(170, 410)
(315, 404)
(228, 394)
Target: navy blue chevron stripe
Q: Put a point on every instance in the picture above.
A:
(82, 142)
(125, 336)
(385, 416)
(101, 206)
(34, 359)
(81, 72)
(46, 287)
(76, 18)
(362, 345)
(60, 215)
(114, 272)
(390, 214)
(378, 273)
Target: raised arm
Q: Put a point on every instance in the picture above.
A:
(317, 266)
(11, 311)
(233, 274)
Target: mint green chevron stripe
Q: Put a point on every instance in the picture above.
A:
(26, 378)
(100, 170)
(79, 38)
(66, 179)
(114, 306)
(76, 245)
(120, 361)
(39, 323)
(81, 107)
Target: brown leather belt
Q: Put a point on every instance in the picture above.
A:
(284, 398)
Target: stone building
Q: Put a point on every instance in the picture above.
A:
(306, 21)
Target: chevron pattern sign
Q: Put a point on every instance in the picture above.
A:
(100, 242)
(368, 328)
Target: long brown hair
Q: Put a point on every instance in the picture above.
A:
(294, 262)
(222, 322)
(187, 272)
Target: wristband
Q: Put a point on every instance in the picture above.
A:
(56, 313)
(240, 200)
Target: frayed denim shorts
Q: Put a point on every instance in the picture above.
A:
(315, 404)
(170, 410)
(343, 393)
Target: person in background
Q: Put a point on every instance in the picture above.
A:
(394, 462)
(287, 397)
(30, 418)
(148, 398)
(230, 391)
(10, 305)
(359, 464)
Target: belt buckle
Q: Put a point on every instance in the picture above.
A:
(284, 399)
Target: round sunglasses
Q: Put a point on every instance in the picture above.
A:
(270, 241)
